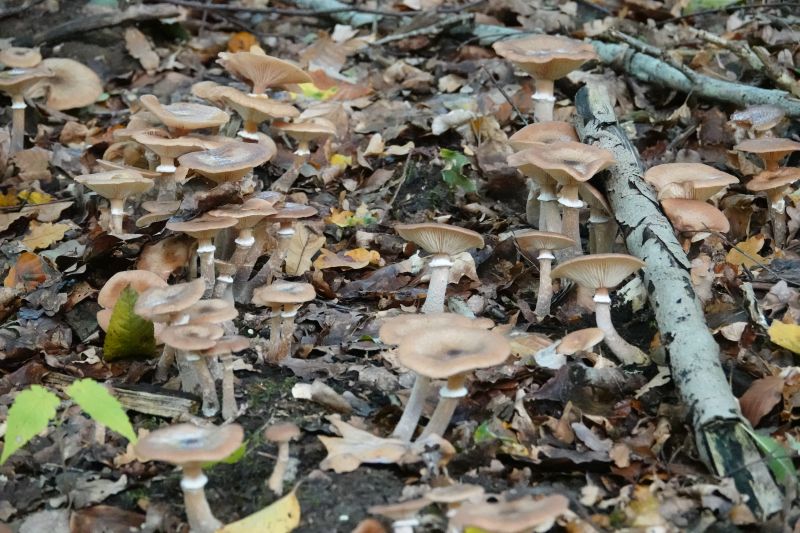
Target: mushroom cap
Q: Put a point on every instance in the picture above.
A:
(758, 117)
(247, 214)
(227, 345)
(155, 303)
(547, 57)
(138, 280)
(113, 165)
(186, 443)
(116, 183)
(440, 238)
(400, 510)
(139, 121)
(72, 84)
(256, 108)
(517, 516)
(531, 241)
(159, 142)
(440, 354)
(161, 206)
(459, 492)
(292, 211)
(318, 128)
(284, 292)
(19, 57)
(773, 179)
(211, 91)
(261, 71)
(282, 432)
(185, 115)
(598, 271)
(202, 227)
(228, 162)
(694, 215)
(694, 181)
(16, 81)
(211, 311)
(594, 199)
(580, 341)
(768, 145)
(395, 329)
(192, 337)
(542, 132)
(565, 161)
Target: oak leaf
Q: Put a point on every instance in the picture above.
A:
(42, 235)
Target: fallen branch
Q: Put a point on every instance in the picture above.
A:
(719, 429)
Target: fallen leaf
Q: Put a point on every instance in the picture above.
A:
(139, 47)
(302, 248)
(762, 396)
(241, 42)
(128, 335)
(746, 253)
(784, 335)
(357, 447)
(281, 516)
(27, 272)
(42, 235)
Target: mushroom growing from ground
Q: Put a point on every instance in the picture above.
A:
(254, 110)
(189, 447)
(281, 434)
(402, 514)
(317, 130)
(602, 225)
(693, 219)
(694, 181)
(442, 242)
(225, 348)
(261, 71)
(602, 272)
(546, 58)
(230, 162)
(204, 229)
(72, 84)
(116, 186)
(183, 117)
(756, 121)
(522, 515)
(394, 330)
(138, 280)
(775, 184)
(544, 243)
(451, 354)
(284, 298)
(770, 149)
(14, 83)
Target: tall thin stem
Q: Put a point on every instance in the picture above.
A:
(545, 294)
(626, 352)
(117, 215)
(437, 286)
(205, 251)
(198, 512)
(405, 427)
(544, 100)
(229, 409)
(18, 106)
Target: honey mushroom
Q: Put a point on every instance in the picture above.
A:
(204, 229)
(261, 71)
(225, 348)
(116, 186)
(544, 243)
(284, 298)
(14, 83)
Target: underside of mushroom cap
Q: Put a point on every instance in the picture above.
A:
(598, 271)
(440, 238)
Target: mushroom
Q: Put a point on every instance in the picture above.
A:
(223, 288)
(757, 120)
(72, 84)
(138, 280)
(570, 164)
(693, 181)
(281, 434)
(157, 211)
(284, 298)
(546, 58)
(775, 184)
(442, 242)
(261, 71)
(183, 117)
(452, 354)
(254, 110)
(14, 83)
(693, 219)
(580, 341)
(602, 226)
(542, 132)
(545, 243)
(189, 447)
(394, 330)
(318, 129)
(522, 515)
(116, 186)
(770, 149)
(602, 272)
(229, 162)
(225, 348)
(204, 229)
(20, 57)
(455, 495)
(189, 341)
(286, 217)
(402, 514)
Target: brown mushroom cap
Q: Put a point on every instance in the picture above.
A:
(284, 292)
(459, 492)
(257, 109)
(19, 57)
(72, 84)
(261, 71)
(228, 344)
(247, 214)
(16, 81)
(694, 215)
(598, 271)
(112, 165)
(157, 303)
(768, 145)
(211, 91)
(186, 443)
(542, 132)
(758, 117)
(138, 280)
(400, 510)
(116, 183)
(440, 238)
(395, 329)
(694, 181)
(311, 130)
(580, 341)
(159, 142)
(228, 162)
(185, 115)
(192, 337)
(547, 57)
(202, 227)
(774, 179)
(532, 241)
(282, 432)
(565, 161)
(292, 211)
(211, 311)
(595, 200)
(517, 516)
(440, 354)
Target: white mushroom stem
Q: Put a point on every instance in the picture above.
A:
(285, 235)
(545, 293)
(437, 286)
(229, 408)
(275, 328)
(167, 185)
(549, 215)
(206, 382)
(166, 165)
(198, 513)
(18, 106)
(544, 100)
(449, 396)
(533, 209)
(205, 251)
(571, 206)
(602, 234)
(287, 326)
(303, 149)
(117, 215)
(244, 242)
(404, 429)
(777, 215)
(275, 482)
(625, 352)
(405, 525)
(224, 288)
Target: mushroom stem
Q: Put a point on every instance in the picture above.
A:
(437, 286)
(166, 165)
(545, 293)
(276, 478)
(205, 250)
(201, 519)
(166, 360)
(285, 234)
(777, 215)
(229, 408)
(18, 106)
(544, 100)
(117, 215)
(533, 208)
(405, 427)
(167, 187)
(303, 149)
(275, 329)
(244, 242)
(287, 330)
(570, 220)
(449, 396)
(627, 353)
(549, 215)
(206, 382)
(222, 288)
(602, 234)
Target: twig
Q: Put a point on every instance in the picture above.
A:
(646, 48)
(755, 260)
(729, 9)
(433, 28)
(11, 11)
(505, 95)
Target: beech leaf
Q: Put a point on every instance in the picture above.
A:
(128, 335)
(32, 410)
(303, 247)
(102, 406)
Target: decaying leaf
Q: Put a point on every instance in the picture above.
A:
(44, 234)
(353, 259)
(302, 248)
(357, 447)
(747, 253)
(28, 272)
(785, 335)
(281, 516)
(139, 47)
(762, 396)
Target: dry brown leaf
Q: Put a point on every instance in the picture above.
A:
(33, 164)
(139, 47)
(762, 396)
(42, 235)
(27, 272)
(746, 253)
(302, 248)
(328, 259)
(357, 447)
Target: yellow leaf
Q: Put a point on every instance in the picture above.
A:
(42, 235)
(362, 254)
(35, 197)
(309, 90)
(328, 259)
(748, 256)
(281, 516)
(339, 217)
(785, 335)
(302, 248)
(8, 199)
(339, 160)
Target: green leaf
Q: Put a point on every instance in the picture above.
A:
(233, 458)
(777, 458)
(32, 410)
(705, 5)
(102, 406)
(128, 335)
(452, 174)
